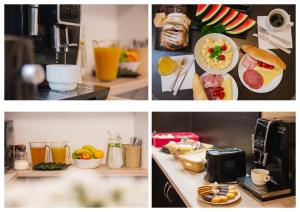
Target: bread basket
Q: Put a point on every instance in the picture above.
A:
(194, 161)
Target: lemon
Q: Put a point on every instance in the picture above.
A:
(98, 154)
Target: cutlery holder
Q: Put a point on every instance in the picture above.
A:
(124, 153)
(133, 156)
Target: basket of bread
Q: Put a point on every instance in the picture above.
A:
(218, 194)
(194, 161)
(182, 147)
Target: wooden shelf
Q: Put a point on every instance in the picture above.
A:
(119, 85)
(103, 170)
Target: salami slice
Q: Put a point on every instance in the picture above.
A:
(253, 79)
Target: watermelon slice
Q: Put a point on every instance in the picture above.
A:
(248, 24)
(211, 12)
(220, 15)
(201, 8)
(231, 15)
(236, 22)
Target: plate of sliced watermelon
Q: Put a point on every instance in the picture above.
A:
(232, 19)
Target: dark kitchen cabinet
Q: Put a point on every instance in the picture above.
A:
(163, 193)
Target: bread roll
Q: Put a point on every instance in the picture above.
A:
(198, 89)
(159, 19)
(264, 56)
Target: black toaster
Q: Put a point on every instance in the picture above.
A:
(225, 165)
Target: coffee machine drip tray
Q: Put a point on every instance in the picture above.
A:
(82, 92)
(266, 192)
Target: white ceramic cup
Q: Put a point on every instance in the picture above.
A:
(285, 16)
(260, 176)
(62, 77)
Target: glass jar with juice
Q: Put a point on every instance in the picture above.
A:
(107, 54)
(60, 152)
(40, 152)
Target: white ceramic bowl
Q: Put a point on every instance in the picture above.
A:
(132, 66)
(87, 164)
(62, 77)
(215, 36)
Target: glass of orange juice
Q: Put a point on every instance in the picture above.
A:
(166, 65)
(60, 151)
(107, 54)
(39, 153)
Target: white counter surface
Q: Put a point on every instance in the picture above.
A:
(186, 183)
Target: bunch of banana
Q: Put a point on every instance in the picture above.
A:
(88, 152)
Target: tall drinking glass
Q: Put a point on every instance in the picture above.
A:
(107, 54)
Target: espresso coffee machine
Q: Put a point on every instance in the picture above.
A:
(273, 148)
(9, 144)
(54, 31)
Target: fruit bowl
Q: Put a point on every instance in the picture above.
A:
(132, 66)
(87, 164)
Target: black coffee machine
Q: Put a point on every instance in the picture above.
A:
(54, 29)
(42, 34)
(9, 144)
(273, 148)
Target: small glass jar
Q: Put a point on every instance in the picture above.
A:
(21, 162)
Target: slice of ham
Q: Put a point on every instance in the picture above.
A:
(212, 80)
(248, 62)
(210, 83)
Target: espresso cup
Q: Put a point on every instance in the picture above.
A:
(260, 176)
(286, 20)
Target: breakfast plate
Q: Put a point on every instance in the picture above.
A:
(218, 194)
(271, 77)
(228, 85)
(230, 201)
(216, 53)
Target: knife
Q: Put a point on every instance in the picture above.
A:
(186, 70)
(263, 37)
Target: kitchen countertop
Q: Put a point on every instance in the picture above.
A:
(186, 183)
(285, 90)
(119, 85)
(103, 170)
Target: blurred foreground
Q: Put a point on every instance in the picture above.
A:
(77, 189)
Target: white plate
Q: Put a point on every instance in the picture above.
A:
(236, 198)
(235, 90)
(215, 36)
(265, 88)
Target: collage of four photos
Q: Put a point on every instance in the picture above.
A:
(152, 159)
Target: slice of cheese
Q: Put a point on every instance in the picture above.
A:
(268, 74)
(227, 85)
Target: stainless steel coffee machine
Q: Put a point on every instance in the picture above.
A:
(273, 148)
(42, 34)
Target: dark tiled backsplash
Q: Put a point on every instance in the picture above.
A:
(222, 129)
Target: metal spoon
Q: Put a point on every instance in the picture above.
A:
(266, 32)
